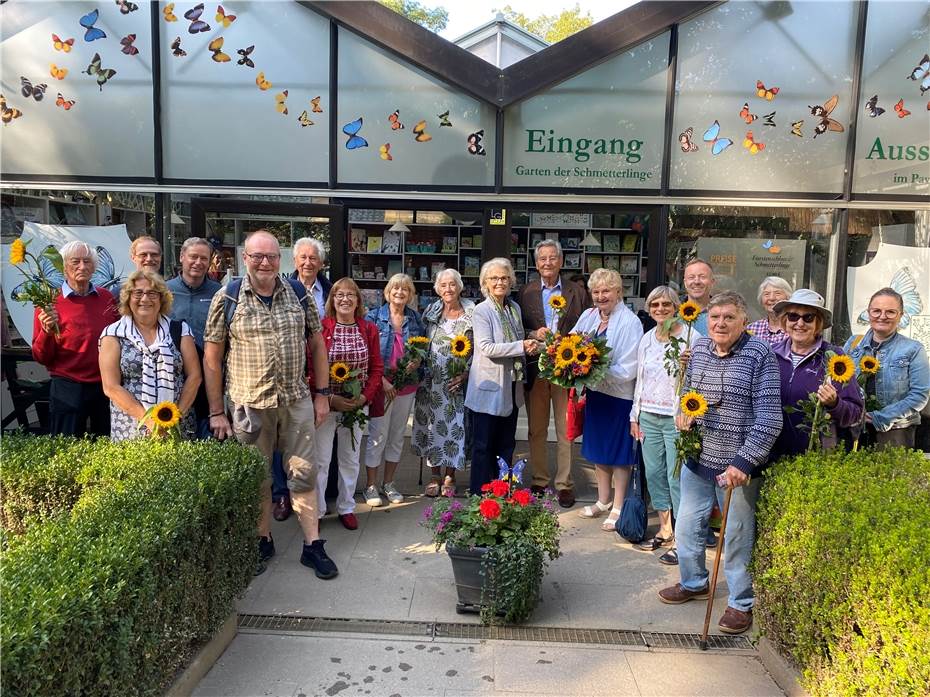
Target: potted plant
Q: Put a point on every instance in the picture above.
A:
(499, 544)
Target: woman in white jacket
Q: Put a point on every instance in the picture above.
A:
(607, 442)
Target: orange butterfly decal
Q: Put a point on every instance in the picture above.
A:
(58, 73)
(751, 144)
(385, 152)
(169, 14)
(65, 104)
(394, 118)
(315, 103)
(420, 132)
(763, 92)
(224, 18)
(9, 113)
(745, 115)
(279, 100)
(900, 110)
(262, 83)
(62, 44)
(216, 47)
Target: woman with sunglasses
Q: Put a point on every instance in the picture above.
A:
(802, 362)
(900, 387)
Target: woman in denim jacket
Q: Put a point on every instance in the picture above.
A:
(902, 385)
(396, 321)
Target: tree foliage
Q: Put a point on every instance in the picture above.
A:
(552, 28)
(435, 19)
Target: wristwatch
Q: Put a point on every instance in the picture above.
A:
(325, 391)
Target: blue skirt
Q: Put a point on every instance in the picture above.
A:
(607, 439)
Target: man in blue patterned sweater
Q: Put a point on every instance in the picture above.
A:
(738, 376)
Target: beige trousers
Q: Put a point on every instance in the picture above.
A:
(540, 397)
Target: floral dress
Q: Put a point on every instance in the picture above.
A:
(440, 432)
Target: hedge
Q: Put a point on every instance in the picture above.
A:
(842, 570)
(120, 560)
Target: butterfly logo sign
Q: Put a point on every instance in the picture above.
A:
(62, 44)
(91, 32)
(96, 70)
(222, 18)
(384, 152)
(903, 283)
(921, 74)
(246, 54)
(712, 136)
(752, 145)
(8, 113)
(686, 140)
(474, 143)
(168, 12)
(420, 134)
(771, 247)
(355, 141)
(444, 119)
(193, 15)
(57, 73)
(216, 48)
(900, 110)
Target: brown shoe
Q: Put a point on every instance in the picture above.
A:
(537, 490)
(677, 594)
(735, 621)
(282, 509)
(566, 498)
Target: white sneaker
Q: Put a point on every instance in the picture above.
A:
(393, 495)
(372, 498)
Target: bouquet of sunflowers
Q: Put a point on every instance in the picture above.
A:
(574, 360)
(403, 374)
(348, 383)
(688, 442)
(37, 288)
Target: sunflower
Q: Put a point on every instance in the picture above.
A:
(557, 303)
(841, 369)
(574, 339)
(869, 365)
(693, 404)
(17, 251)
(689, 311)
(583, 357)
(339, 372)
(166, 415)
(460, 346)
(565, 355)
(418, 341)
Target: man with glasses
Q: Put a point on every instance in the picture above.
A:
(268, 336)
(699, 283)
(145, 254)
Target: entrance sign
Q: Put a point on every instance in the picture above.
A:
(561, 220)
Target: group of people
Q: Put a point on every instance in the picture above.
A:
(258, 359)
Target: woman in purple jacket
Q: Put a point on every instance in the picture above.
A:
(802, 361)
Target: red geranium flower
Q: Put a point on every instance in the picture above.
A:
(490, 509)
(486, 487)
(523, 497)
(500, 488)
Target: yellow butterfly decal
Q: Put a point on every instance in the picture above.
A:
(315, 102)
(9, 113)
(304, 119)
(796, 128)
(216, 47)
(58, 73)
(420, 132)
(224, 18)
(385, 152)
(62, 44)
(168, 11)
(280, 106)
(262, 83)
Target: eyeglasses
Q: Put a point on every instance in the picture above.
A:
(808, 317)
(877, 314)
(139, 294)
(259, 258)
(498, 279)
(344, 296)
(147, 255)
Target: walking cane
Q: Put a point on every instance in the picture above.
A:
(713, 578)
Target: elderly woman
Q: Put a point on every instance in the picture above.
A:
(802, 361)
(495, 382)
(439, 430)
(352, 341)
(901, 386)
(655, 403)
(737, 376)
(609, 402)
(147, 359)
(64, 340)
(772, 291)
(397, 322)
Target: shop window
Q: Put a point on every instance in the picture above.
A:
(398, 125)
(254, 115)
(893, 131)
(796, 55)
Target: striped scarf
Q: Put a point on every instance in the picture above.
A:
(157, 360)
(510, 323)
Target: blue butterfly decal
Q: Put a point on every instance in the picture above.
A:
(88, 21)
(508, 473)
(902, 282)
(193, 14)
(712, 135)
(351, 129)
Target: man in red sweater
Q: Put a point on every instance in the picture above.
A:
(64, 340)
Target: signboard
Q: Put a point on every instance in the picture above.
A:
(561, 220)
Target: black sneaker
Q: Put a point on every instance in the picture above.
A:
(265, 548)
(315, 557)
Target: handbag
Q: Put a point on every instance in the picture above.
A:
(574, 417)
(631, 525)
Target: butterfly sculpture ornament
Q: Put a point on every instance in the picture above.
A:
(903, 283)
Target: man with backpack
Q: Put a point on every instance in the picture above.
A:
(262, 326)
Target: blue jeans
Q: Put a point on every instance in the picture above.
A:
(658, 450)
(279, 488)
(697, 499)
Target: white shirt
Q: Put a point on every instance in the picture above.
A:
(655, 388)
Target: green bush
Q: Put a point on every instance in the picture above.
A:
(112, 595)
(842, 570)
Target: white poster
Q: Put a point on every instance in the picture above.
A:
(907, 270)
(112, 245)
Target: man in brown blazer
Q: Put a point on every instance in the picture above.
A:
(538, 320)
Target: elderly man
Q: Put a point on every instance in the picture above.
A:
(699, 283)
(64, 340)
(737, 374)
(309, 258)
(539, 319)
(269, 325)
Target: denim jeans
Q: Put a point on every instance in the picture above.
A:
(659, 434)
(697, 499)
(279, 488)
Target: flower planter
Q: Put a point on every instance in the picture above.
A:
(469, 581)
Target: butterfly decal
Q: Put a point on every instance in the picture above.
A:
(922, 73)
(223, 18)
(872, 108)
(104, 277)
(444, 119)
(168, 12)
(420, 134)
(768, 119)
(745, 115)
(355, 141)
(216, 47)
(127, 42)
(246, 56)
(193, 15)
(900, 110)
(279, 102)
(766, 93)
(394, 120)
(37, 92)
(57, 73)
(315, 105)
(88, 21)
(385, 152)
(511, 473)
(796, 128)
(65, 104)
(125, 7)
(903, 283)
(304, 119)
(62, 44)
(262, 83)
(103, 74)
(712, 136)
(7, 114)
(752, 144)
(823, 112)
(474, 143)
(176, 49)
(685, 140)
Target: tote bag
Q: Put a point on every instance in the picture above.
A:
(574, 418)
(631, 525)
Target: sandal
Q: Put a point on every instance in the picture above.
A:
(594, 511)
(432, 489)
(610, 525)
(652, 544)
(448, 486)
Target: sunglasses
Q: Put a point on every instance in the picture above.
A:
(808, 317)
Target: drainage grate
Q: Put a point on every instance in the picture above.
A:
(660, 640)
(291, 623)
(551, 634)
